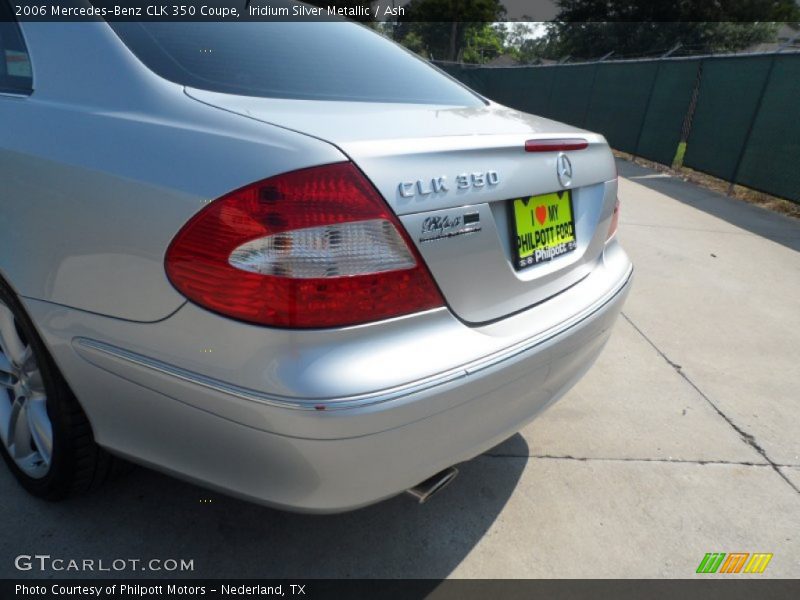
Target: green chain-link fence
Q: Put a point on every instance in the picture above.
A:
(619, 102)
(742, 124)
(771, 159)
(668, 107)
(729, 93)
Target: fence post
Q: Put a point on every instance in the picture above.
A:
(672, 50)
(552, 91)
(591, 95)
(688, 118)
(591, 89)
(750, 127)
(646, 109)
(667, 54)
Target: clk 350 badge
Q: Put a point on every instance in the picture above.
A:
(449, 225)
(439, 185)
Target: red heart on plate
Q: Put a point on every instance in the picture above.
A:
(541, 214)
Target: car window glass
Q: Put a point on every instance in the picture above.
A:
(15, 64)
(298, 60)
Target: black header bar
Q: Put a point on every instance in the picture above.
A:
(375, 10)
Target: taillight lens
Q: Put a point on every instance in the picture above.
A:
(612, 229)
(316, 247)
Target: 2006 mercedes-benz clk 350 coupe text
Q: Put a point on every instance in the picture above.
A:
(289, 261)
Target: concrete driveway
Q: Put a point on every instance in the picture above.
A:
(683, 439)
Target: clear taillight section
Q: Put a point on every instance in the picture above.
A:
(316, 247)
(339, 250)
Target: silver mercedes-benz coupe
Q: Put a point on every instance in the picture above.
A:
(288, 261)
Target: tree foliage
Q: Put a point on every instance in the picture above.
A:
(746, 11)
(444, 26)
(593, 40)
(483, 42)
(592, 28)
(524, 43)
(468, 30)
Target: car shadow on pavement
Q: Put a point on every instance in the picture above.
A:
(148, 515)
(750, 217)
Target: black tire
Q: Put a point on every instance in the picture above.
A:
(77, 463)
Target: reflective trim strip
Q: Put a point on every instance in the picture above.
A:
(259, 397)
(358, 401)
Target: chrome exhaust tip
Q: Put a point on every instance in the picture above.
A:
(425, 490)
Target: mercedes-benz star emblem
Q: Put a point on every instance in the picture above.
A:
(564, 170)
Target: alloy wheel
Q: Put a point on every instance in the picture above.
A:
(25, 427)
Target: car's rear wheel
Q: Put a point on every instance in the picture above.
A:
(45, 436)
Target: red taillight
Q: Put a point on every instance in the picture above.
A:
(316, 247)
(556, 145)
(612, 228)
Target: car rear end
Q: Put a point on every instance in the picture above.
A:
(356, 326)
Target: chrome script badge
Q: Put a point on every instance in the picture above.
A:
(439, 185)
(449, 225)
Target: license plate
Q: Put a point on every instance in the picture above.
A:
(544, 228)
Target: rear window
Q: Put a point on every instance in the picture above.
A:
(298, 60)
(15, 64)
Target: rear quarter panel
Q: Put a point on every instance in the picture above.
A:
(105, 162)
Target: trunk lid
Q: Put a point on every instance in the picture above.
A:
(450, 174)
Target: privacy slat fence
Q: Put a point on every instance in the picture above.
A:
(739, 115)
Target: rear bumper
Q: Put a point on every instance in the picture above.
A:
(283, 452)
